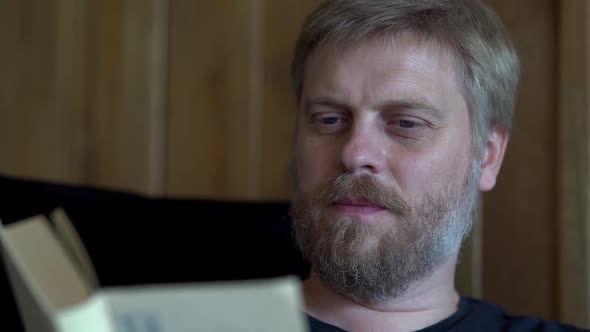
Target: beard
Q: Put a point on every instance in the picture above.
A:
(376, 262)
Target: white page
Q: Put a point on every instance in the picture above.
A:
(92, 315)
(244, 306)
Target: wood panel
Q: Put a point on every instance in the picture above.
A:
(42, 88)
(125, 108)
(79, 102)
(105, 66)
(520, 267)
(210, 99)
(283, 22)
(574, 163)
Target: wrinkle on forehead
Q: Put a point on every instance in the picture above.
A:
(391, 42)
(418, 65)
(421, 62)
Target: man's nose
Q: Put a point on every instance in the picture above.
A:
(364, 149)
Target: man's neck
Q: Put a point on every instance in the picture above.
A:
(425, 303)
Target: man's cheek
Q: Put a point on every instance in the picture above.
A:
(310, 171)
(309, 180)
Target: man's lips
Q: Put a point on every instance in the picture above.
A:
(357, 205)
(357, 202)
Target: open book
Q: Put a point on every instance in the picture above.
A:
(56, 290)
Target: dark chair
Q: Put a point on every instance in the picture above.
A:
(133, 239)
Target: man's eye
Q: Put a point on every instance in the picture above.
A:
(407, 124)
(329, 123)
(404, 124)
(329, 120)
(408, 127)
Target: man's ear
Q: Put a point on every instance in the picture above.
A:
(493, 155)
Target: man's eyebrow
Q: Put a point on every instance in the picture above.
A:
(402, 103)
(411, 104)
(323, 101)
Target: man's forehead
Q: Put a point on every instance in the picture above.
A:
(413, 57)
(426, 53)
(386, 41)
(406, 74)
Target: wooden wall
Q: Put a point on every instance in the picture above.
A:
(520, 214)
(573, 269)
(81, 92)
(193, 99)
(179, 98)
(536, 221)
(230, 98)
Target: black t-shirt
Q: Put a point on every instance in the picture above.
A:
(475, 315)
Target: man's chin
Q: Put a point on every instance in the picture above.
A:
(370, 228)
(354, 237)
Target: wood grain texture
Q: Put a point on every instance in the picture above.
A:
(125, 107)
(42, 89)
(210, 99)
(574, 163)
(283, 23)
(520, 261)
(78, 95)
(158, 94)
(71, 91)
(104, 101)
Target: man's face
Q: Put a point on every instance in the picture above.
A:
(384, 179)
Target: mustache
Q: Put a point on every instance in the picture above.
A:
(365, 187)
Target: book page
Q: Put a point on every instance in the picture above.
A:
(41, 275)
(74, 246)
(44, 263)
(92, 315)
(34, 315)
(241, 306)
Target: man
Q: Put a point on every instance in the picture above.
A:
(404, 114)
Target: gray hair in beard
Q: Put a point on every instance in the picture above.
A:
(423, 236)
